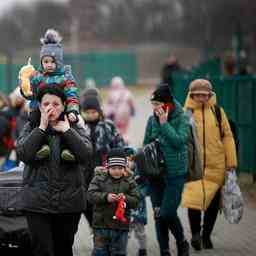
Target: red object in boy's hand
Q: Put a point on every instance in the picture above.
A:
(120, 210)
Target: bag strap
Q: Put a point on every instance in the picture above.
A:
(218, 115)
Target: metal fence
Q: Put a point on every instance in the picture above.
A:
(100, 66)
(237, 95)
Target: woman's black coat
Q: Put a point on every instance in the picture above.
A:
(54, 185)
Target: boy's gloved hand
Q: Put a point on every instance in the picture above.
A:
(24, 77)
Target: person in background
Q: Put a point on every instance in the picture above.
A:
(229, 65)
(138, 215)
(170, 126)
(5, 134)
(120, 106)
(90, 90)
(171, 65)
(218, 156)
(54, 191)
(244, 67)
(15, 114)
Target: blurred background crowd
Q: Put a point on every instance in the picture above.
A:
(142, 42)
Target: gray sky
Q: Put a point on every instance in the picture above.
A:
(6, 4)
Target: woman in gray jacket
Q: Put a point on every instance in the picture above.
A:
(54, 191)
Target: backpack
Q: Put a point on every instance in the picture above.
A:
(195, 167)
(150, 160)
(232, 124)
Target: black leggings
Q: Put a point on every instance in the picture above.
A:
(209, 220)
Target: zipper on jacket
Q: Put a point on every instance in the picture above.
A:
(204, 158)
(204, 140)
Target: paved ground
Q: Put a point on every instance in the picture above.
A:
(229, 240)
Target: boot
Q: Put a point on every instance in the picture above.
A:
(142, 252)
(207, 243)
(165, 253)
(67, 155)
(196, 242)
(44, 152)
(183, 248)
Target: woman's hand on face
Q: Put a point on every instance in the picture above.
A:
(44, 121)
(61, 126)
(162, 115)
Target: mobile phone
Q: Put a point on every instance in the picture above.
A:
(166, 106)
(62, 117)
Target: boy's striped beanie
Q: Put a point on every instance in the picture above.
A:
(116, 157)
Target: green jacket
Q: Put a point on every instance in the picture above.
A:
(103, 212)
(173, 137)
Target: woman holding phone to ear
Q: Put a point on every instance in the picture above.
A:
(170, 126)
(54, 193)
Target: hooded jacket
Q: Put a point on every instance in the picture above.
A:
(103, 184)
(217, 153)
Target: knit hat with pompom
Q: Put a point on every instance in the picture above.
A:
(51, 46)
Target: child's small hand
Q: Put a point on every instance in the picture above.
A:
(112, 197)
(72, 117)
(120, 195)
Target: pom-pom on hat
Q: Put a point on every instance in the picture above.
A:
(200, 86)
(116, 157)
(162, 94)
(51, 46)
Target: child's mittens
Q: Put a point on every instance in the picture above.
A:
(24, 77)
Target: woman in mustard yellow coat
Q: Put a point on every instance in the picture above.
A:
(218, 155)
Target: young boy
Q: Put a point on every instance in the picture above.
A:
(105, 192)
(51, 71)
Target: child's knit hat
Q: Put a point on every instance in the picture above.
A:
(91, 102)
(116, 157)
(51, 46)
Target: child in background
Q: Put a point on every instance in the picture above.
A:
(138, 215)
(120, 106)
(105, 191)
(51, 72)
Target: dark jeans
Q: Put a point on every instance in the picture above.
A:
(165, 197)
(209, 219)
(52, 234)
(110, 242)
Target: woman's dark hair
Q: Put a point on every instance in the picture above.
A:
(52, 89)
